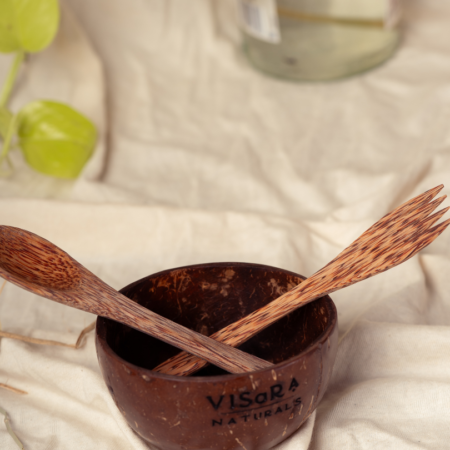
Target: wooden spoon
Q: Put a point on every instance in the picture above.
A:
(392, 240)
(39, 266)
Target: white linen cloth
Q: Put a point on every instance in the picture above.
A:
(200, 159)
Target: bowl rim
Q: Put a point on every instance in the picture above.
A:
(102, 322)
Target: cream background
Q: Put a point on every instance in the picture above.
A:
(202, 159)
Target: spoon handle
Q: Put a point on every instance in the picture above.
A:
(240, 331)
(35, 264)
(109, 303)
(219, 354)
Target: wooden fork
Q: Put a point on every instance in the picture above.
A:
(392, 240)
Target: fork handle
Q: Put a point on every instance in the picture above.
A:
(379, 249)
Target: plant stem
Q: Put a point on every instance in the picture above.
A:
(5, 119)
(8, 138)
(10, 80)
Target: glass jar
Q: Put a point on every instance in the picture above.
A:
(319, 39)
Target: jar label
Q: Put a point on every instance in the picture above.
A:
(259, 19)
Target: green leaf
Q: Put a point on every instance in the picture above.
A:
(8, 37)
(28, 25)
(55, 139)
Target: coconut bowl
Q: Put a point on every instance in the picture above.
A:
(212, 409)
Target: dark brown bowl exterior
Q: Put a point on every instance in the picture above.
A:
(215, 410)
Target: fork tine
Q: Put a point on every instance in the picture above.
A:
(411, 205)
(405, 250)
(383, 234)
(438, 229)
(423, 211)
(431, 220)
(415, 224)
(427, 238)
(406, 222)
(411, 232)
(406, 211)
(420, 199)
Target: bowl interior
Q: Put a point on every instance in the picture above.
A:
(208, 297)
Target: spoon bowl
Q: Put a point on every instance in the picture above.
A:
(37, 262)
